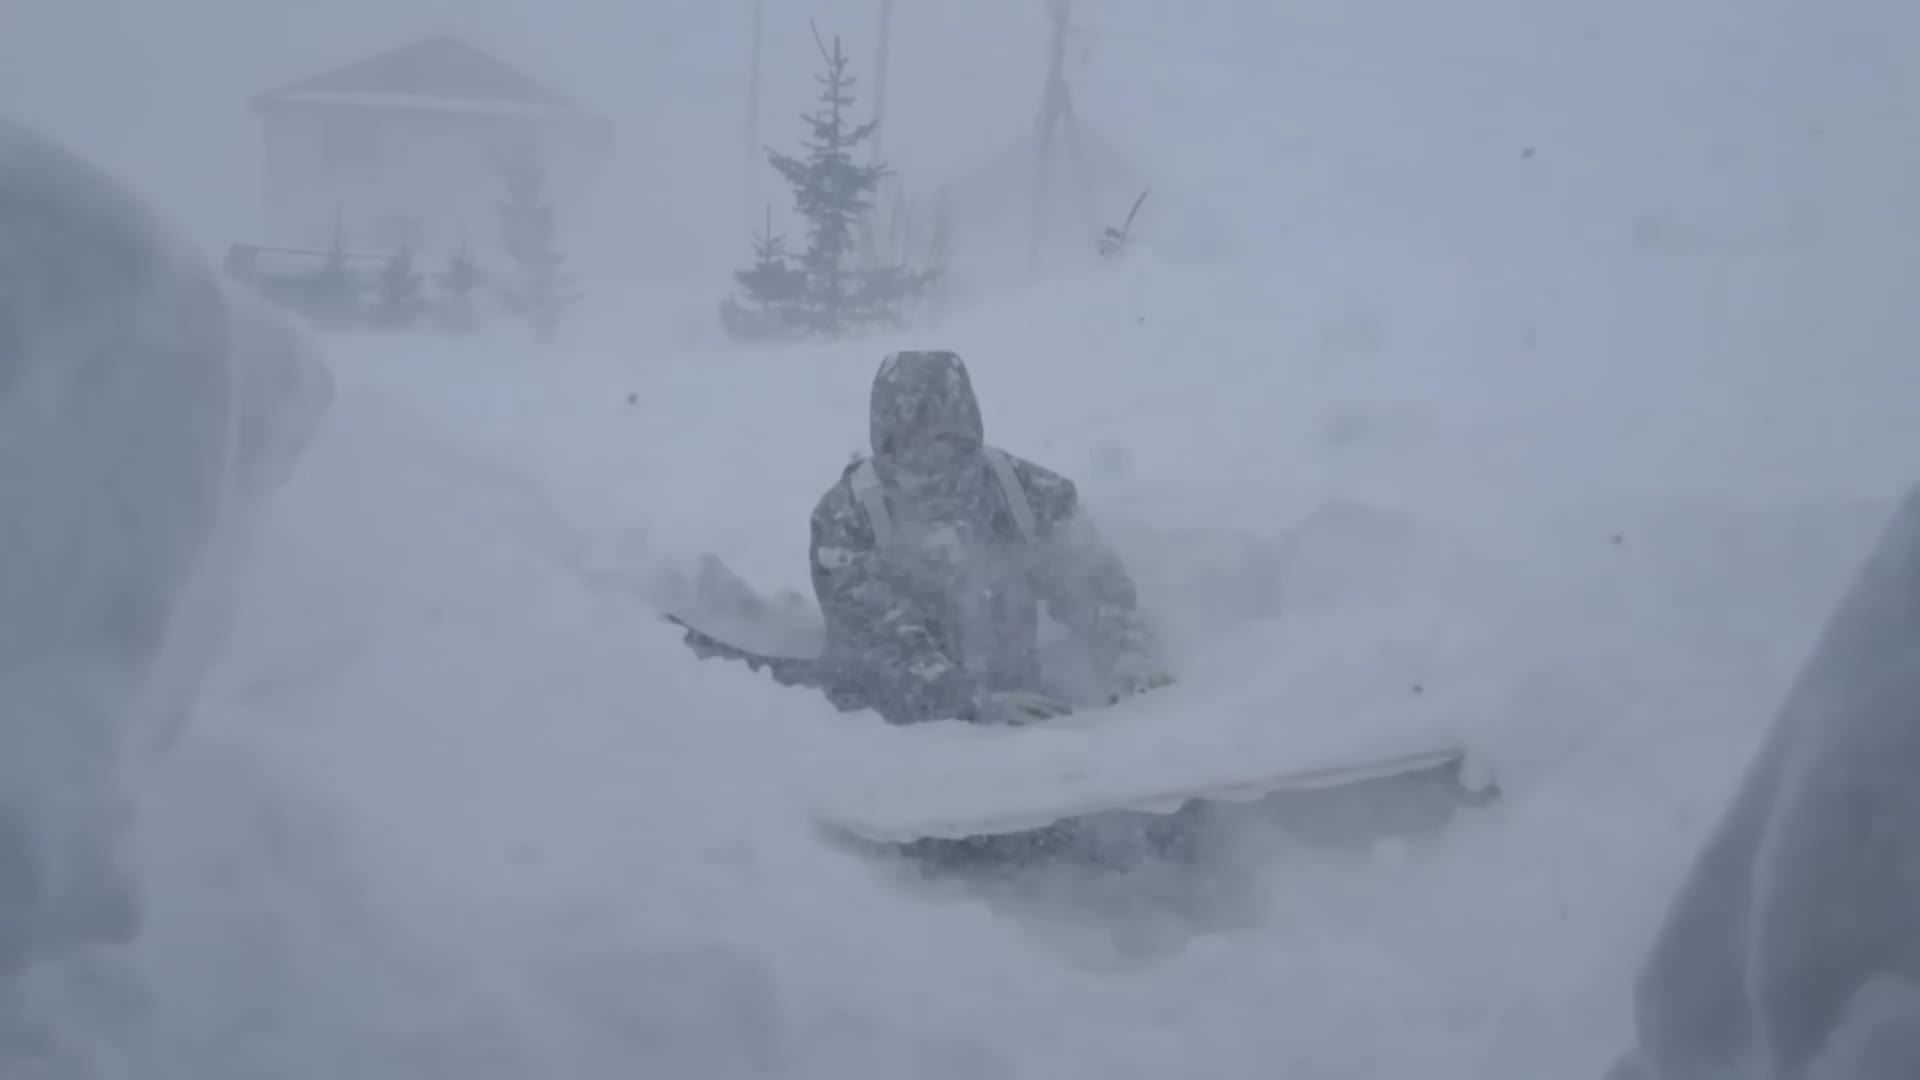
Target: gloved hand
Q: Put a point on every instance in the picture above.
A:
(1016, 707)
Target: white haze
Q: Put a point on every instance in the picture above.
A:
(1605, 307)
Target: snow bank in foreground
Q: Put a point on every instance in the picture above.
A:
(145, 412)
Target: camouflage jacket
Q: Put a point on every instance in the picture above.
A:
(918, 635)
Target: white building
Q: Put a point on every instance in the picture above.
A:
(407, 149)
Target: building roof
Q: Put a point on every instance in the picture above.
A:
(440, 73)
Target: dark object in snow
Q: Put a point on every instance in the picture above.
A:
(1113, 242)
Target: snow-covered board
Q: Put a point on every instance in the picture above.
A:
(1332, 710)
(1150, 754)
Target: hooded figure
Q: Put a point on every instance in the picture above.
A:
(932, 559)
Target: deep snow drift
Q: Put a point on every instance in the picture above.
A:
(458, 804)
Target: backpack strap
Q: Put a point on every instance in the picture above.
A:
(1016, 494)
(873, 498)
(866, 489)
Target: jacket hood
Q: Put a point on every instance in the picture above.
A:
(919, 396)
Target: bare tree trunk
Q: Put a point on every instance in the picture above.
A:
(753, 113)
(1051, 103)
(880, 80)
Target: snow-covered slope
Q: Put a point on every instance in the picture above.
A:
(458, 804)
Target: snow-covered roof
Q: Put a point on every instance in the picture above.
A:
(440, 74)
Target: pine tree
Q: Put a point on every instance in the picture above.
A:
(540, 290)
(400, 300)
(838, 284)
(772, 287)
(834, 194)
(333, 297)
(458, 282)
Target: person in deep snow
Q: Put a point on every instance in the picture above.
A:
(931, 560)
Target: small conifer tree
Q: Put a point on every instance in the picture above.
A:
(540, 289)
(771, 287)
(333, 297)
(400, 298)
(458, 282)
(833, 290)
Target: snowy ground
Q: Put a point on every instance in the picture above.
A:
(1566, 369)
(459, 805)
